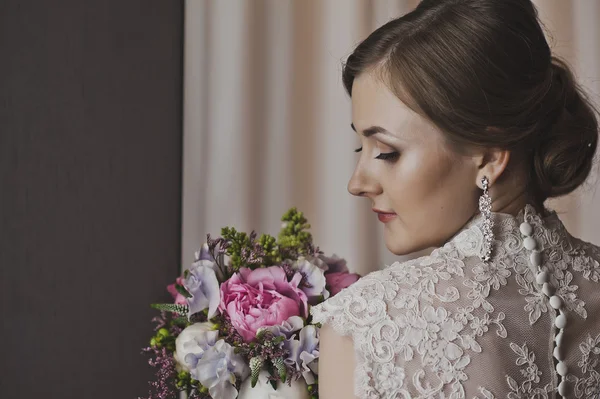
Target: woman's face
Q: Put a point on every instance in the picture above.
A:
(426, 191)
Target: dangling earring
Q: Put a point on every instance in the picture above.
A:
(485, 207)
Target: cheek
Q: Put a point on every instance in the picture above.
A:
(419, 177)
(432, 196)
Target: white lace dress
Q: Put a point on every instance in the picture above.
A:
(450, 326)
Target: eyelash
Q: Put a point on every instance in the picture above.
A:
(387, 156)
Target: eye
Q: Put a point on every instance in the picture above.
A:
(388, 156)
(358, 149)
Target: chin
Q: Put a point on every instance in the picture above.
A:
(402, 244)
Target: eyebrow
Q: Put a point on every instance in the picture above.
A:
(372, 130)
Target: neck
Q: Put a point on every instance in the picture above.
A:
(511, 205)
(507, 199)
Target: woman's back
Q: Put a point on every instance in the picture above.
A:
(450, 325)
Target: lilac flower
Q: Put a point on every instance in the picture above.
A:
(163, 386)
(314, 279)
(203, 254)
(334, 264)
(203, 285)
(287, 328)
(303, 353)
(218, 370)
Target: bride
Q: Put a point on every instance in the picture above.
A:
(468, 124)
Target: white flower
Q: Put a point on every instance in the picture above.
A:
(263, 389)
(192, 342)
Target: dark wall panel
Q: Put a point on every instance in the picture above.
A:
(90, 176)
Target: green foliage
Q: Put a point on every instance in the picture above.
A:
(256, 364)
(171, 307)
(237, 242)
(293, 236)
(163, 338)
(270, 247)
(183, 380)
(266, 351)
(245, 251)
(281, 369)
(181, 289)
(313, 390)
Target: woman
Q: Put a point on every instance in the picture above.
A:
(468, 124)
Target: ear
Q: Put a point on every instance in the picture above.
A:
(491, 163)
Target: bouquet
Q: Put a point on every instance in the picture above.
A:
(240, 325)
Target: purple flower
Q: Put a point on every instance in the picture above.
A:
(287, 328)
(303, 353)
(261, 298)
(203, 285)
(314, 279)
(334, 264)
(203, 254)
(218, 370)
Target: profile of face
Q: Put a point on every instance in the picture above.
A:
(421, 189)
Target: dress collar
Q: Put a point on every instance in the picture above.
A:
(548, 231)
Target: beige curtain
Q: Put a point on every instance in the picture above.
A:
(267, 122)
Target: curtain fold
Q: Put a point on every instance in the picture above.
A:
(267, 122)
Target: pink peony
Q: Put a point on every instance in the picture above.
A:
(338, 281)
(179, 299)
(261, 298)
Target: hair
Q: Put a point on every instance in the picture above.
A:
(482, 72)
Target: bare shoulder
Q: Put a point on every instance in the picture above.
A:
(336, 364)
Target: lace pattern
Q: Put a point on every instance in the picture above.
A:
(448, 325)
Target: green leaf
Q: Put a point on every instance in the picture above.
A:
(171, 307)
(278, 340)
(281, 369)
(181, 321)
(271, 371)
(261, 333)
(181, 289)
(256, 364)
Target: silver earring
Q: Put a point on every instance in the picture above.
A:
(485, 207)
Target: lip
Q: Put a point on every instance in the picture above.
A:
(384, 216)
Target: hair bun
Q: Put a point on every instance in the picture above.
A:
(564, 153)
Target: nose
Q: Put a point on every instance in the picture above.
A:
(362, 184)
